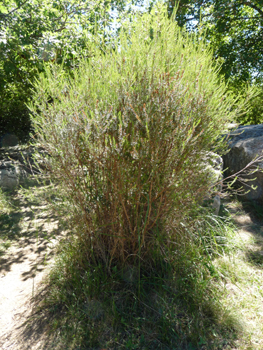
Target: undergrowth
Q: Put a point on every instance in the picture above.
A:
(5, 210)
(174, 303)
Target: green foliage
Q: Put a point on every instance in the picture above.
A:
(126, 135)
(254, 112)
(15, 120)
(234, 29)
(33, 32)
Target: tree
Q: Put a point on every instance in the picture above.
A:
(35, 31)
(31, 32)
(235, 30)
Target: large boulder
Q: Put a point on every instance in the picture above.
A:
(246, 144)
(8, 140)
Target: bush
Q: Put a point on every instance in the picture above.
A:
(126, 136)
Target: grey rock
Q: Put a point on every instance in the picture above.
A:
(246, 144)
(213, 166)
(216, 204)
(8, 140)
(9, 177)
(16, 163)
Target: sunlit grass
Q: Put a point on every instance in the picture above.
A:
(244, 296)
(5, 204)
(243, 278)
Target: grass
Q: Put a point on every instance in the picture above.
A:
(244, 295)
(209, 295)
(174, 304)
(243, 274)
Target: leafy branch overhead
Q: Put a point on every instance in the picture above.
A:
(33, 32)
(235, 30)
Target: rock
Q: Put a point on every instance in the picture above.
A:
(9, 140)
(246, 143)
(9, 177)
(16, 163)
(213, 165)
(216, 204)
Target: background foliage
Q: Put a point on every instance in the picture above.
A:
(33, 32)
(234, 29)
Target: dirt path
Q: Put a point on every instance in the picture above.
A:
(33, 232)
(20, 275)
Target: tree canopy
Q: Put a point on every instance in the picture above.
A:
(234, 28)
(35, 31)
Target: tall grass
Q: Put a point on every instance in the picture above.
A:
(126, 136)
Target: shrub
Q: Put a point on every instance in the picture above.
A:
(126, 134)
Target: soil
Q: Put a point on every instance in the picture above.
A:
(24, 264)
(22, 270)
(33, 233)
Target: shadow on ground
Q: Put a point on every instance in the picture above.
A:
(29, 226)
(248, 216)
(31, 223)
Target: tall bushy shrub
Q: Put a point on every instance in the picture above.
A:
(126, 136)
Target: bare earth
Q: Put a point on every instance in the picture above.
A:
(20, 276)
(22, 268)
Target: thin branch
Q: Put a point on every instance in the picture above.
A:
(253, 162)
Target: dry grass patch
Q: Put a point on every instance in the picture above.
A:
(243, 273)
